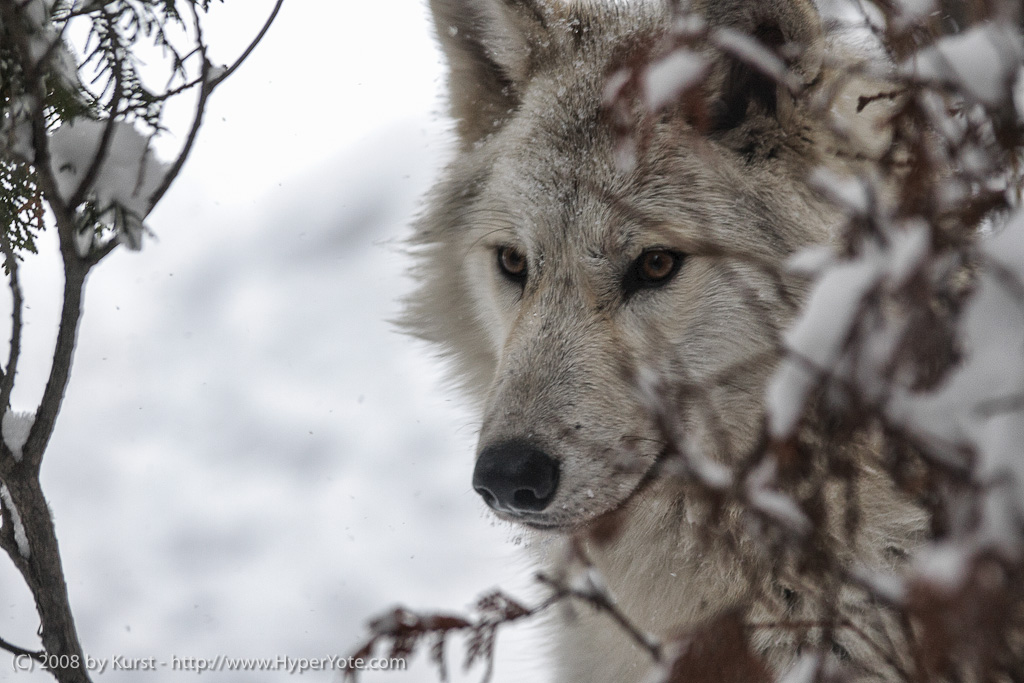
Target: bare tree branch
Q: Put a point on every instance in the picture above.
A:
(15, 650)
(208, 84)
(603, 602)
(197, 121)
(42, 570)
(27, 532)
(16, 300)
(60, 370)
(252, 46)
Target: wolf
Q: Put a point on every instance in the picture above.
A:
(567, 271)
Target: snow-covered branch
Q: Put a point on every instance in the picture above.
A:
(75, 144)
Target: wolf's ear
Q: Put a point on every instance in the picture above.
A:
(791, 29)
(490, 46)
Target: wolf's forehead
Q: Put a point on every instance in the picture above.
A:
(555, 204)
(572, 198)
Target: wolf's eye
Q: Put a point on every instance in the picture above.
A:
(653, 268)
(512, 264)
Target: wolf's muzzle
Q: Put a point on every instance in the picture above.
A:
(516, 477)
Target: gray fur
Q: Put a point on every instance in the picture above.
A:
(557, 363)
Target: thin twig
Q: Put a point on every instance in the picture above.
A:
(168, 94)
(103, 150)
(197, 121)
(17, 302)
(37, 655)
(604, 603)
(252, 46)
(206, 89)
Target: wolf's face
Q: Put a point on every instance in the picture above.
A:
(560, 278)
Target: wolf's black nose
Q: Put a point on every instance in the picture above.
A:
(514, 476)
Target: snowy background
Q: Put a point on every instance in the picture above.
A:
(251, 461)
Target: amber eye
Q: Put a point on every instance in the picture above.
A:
(653, 268)
(512, 263)
(656, 265)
